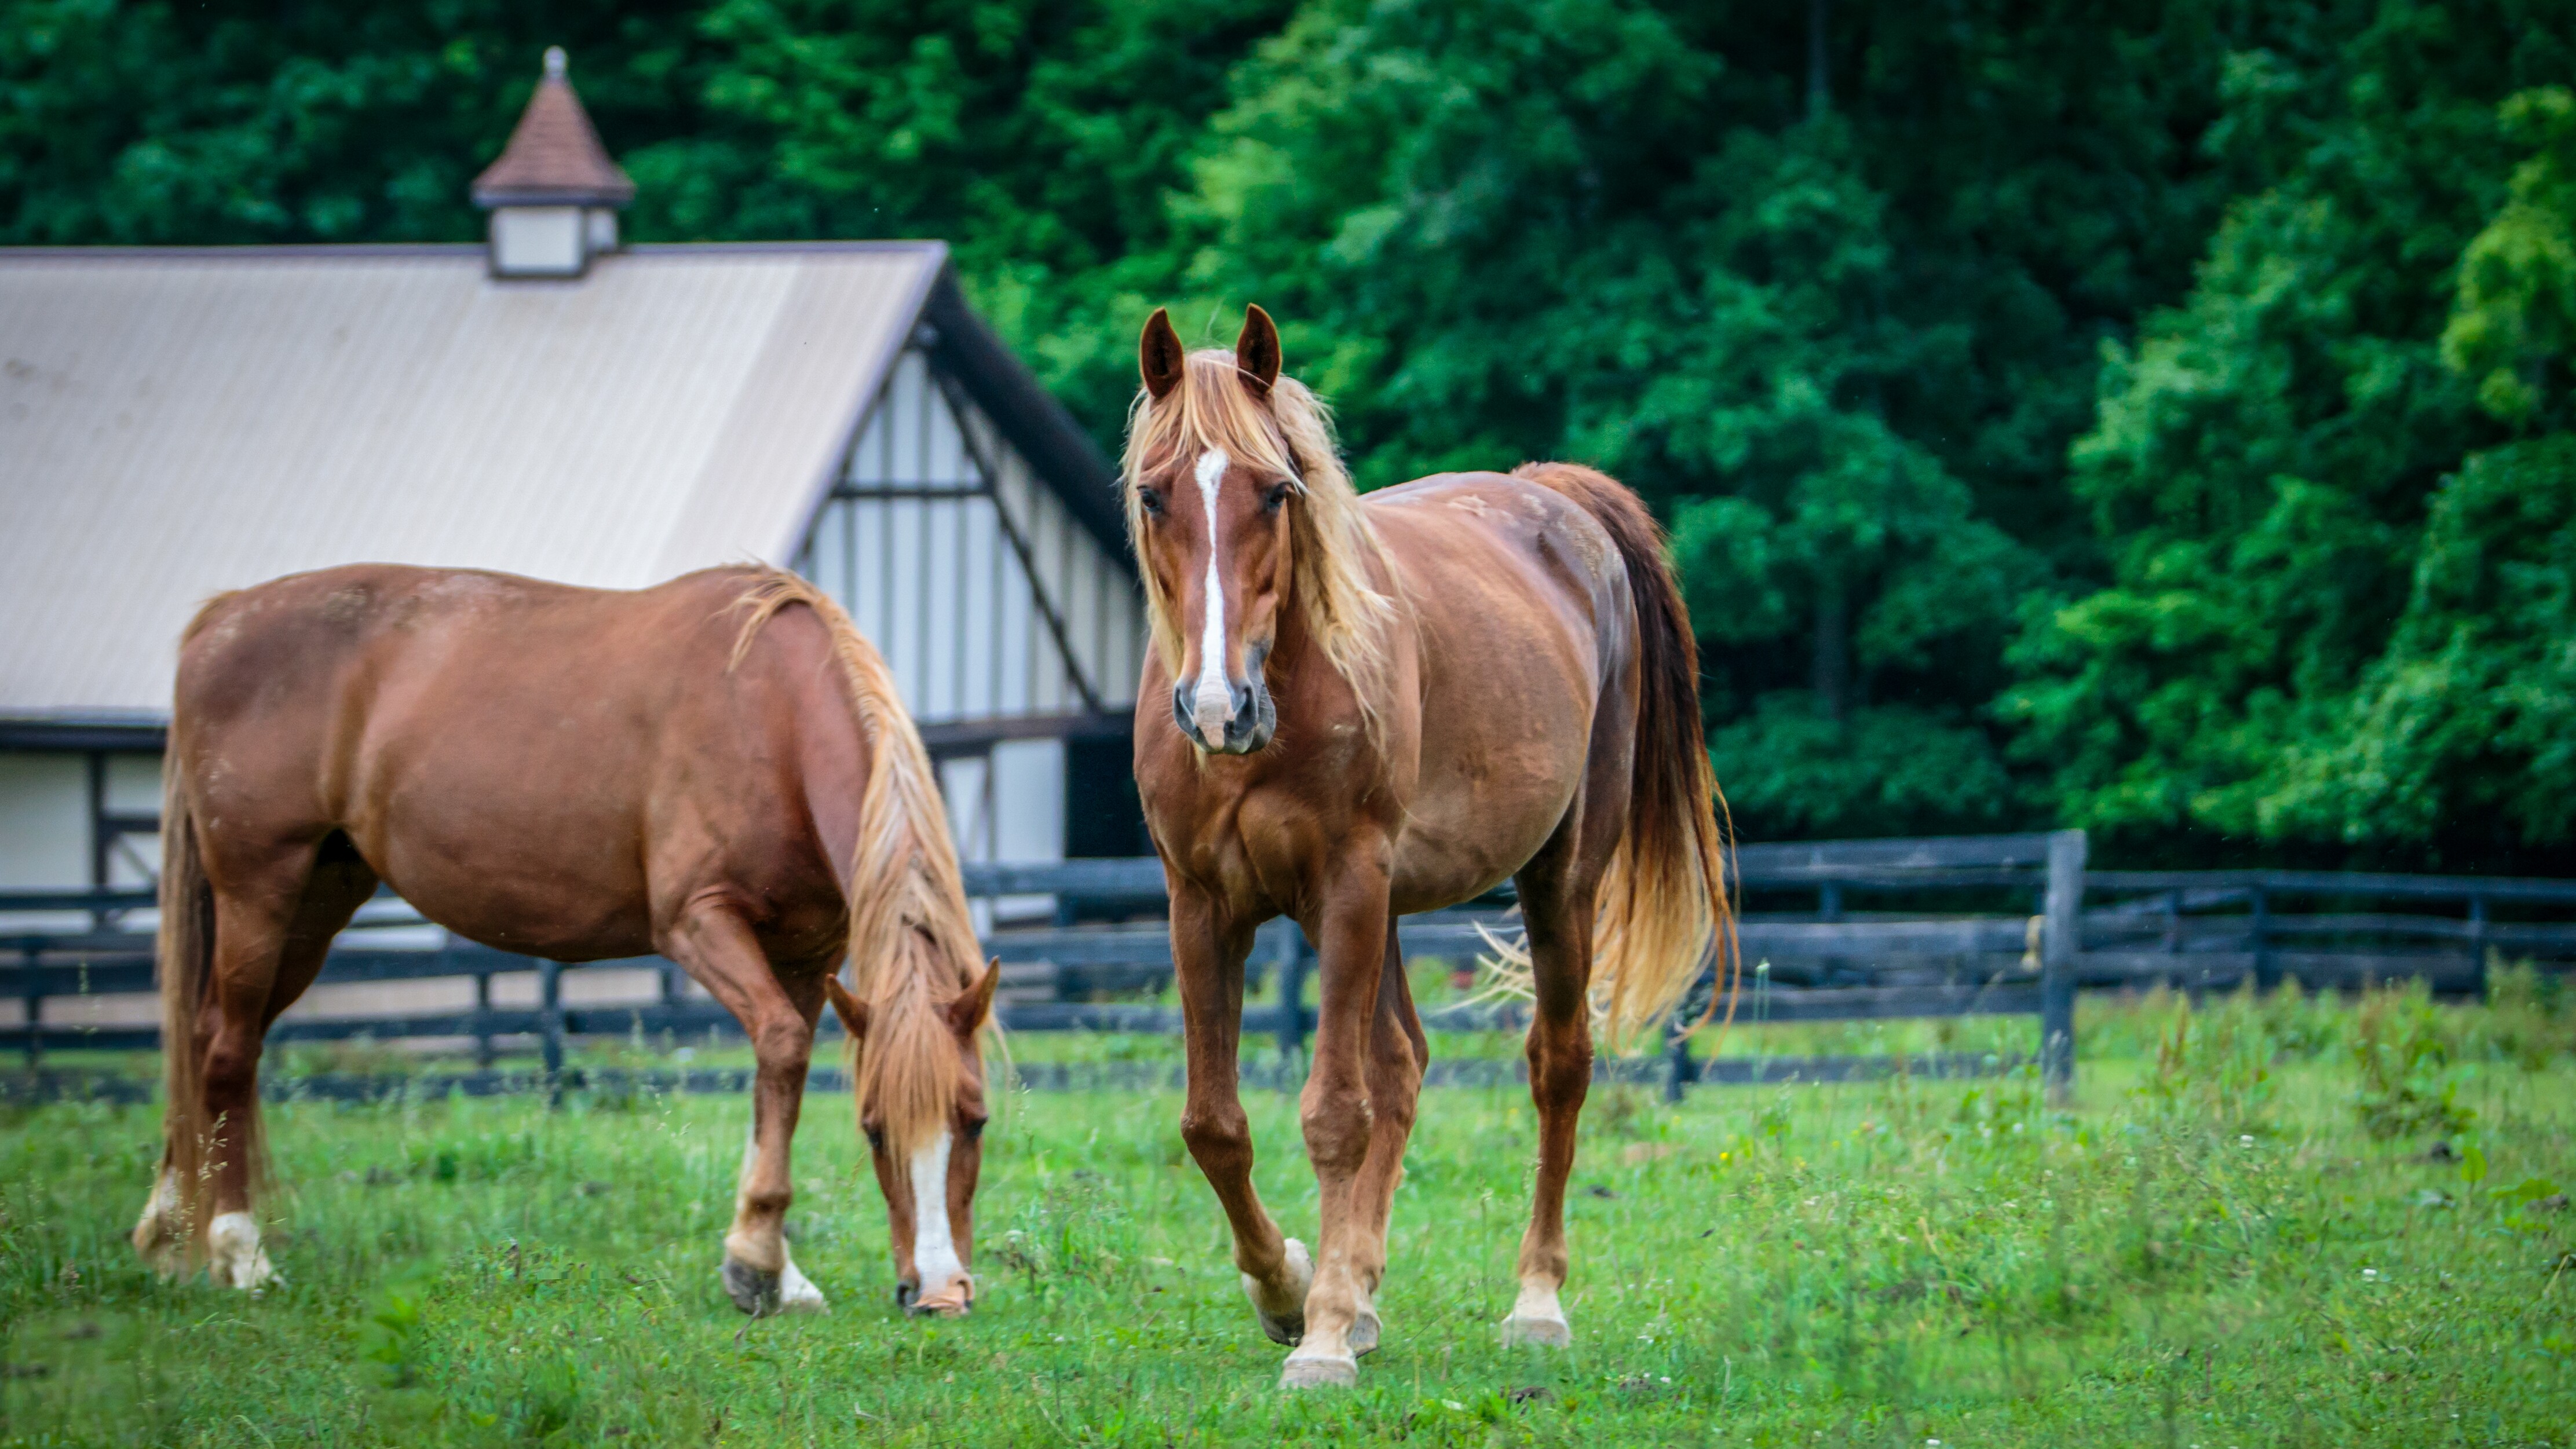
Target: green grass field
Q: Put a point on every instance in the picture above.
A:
(2240, 1236)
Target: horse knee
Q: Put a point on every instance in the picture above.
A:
(1219, 1141)
(782, 1041)
(1337, 1133)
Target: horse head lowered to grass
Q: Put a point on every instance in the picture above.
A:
(717, 769)
(1356, 709)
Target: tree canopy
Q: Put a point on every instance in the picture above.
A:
(2147, 416)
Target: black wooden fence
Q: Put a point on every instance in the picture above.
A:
(1976, 925)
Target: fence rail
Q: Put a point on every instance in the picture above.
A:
(2019, 940)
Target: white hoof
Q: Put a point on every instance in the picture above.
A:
(1284, 1320)
(1320, 1371)
(797, 1293)
(1537, 1320)
(234, 1257)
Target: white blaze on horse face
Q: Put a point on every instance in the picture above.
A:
(934, 1251)
(1212, 704)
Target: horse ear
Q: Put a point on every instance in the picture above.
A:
(1159, 355)
(974, 1005)
(1256, 351)
(852, 1011)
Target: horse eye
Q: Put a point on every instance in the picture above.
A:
(974, 1128)
(1151, 501)
(876, 1138)
(1276, 498)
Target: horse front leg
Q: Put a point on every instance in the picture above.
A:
(1208, 950)
(1334, 1109)
(718, 948)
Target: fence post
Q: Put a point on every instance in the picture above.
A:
(2060, 940)
(34, 988)
(2265, 978)
(1677, 1055)
(2476, 946)
(1292, 994)
(483, 1020)
(550, 1021)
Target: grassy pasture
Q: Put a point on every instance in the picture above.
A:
(2242, 1235)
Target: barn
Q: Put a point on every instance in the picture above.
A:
(177, 422)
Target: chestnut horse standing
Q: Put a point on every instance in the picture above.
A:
(1355, 710)
(717, 769)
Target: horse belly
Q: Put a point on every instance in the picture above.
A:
(1511, 656)
(517, 829)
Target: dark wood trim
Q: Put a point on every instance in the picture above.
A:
(115, 737)
(969, 735)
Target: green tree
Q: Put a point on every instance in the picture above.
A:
(2465, 729)
(1837, 324)
(2260, 472)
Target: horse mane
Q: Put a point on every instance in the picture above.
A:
(912, 947)
(1337, 558)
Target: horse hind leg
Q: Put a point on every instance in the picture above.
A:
(271, 938)
(1398, 1053)
(1557, 906)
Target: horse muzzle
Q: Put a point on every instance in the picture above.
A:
(953, 1299)
(1238, 723)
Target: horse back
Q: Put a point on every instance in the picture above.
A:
(547, 769)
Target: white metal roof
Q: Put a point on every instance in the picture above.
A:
(176, 423)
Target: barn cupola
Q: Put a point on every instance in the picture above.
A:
(555, 193)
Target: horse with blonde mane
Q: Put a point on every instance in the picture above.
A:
(1356, 709)
(717, 769)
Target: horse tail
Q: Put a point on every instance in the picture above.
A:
(912, 946)
(191, 1143)
(1663, 904)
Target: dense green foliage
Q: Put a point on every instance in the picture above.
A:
(2146, 416)
(2241, 1236)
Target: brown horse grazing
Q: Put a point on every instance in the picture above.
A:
(717, 769)
(1357, 710)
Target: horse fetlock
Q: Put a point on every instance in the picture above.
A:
(1281, 1306)
(234, 1258)
(753, 1290)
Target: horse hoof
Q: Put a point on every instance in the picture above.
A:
(752, 1290)
(1286, 1327)
(1320, 1371)
(1524, 1330)
(234, 1257)
(1364, 1333)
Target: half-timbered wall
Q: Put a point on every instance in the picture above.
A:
(988, 600)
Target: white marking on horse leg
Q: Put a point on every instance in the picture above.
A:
(945, 1287)
(1212, 702)
(796, 1292)
(235, 1258)
(1538, 1319)
(1283, 1315)
(157, 1235)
